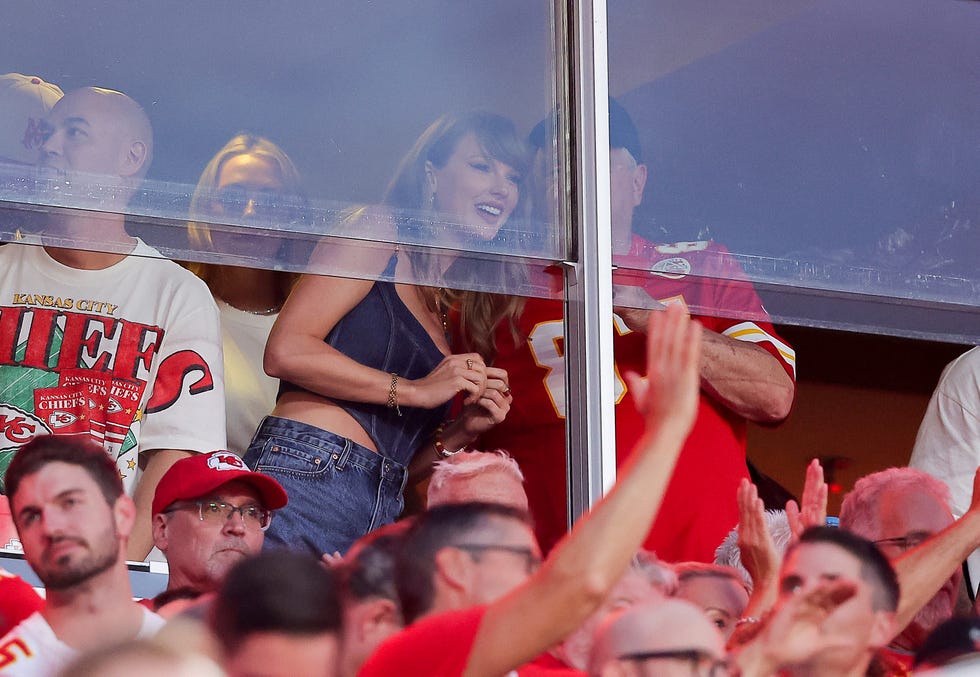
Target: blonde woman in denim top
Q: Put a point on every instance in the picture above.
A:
(368, 369)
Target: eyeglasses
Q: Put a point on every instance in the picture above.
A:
(217, 512)
(702, 663)
(532, 561)
(906, 542)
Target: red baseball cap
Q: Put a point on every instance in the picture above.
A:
(197, 475)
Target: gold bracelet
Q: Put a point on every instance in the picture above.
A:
(393, 394)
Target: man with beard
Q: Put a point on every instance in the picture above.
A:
(74, 521)
(898, 509)
(209, 513)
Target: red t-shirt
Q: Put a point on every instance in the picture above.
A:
(439, 646)
(18, 600)
(699, 508)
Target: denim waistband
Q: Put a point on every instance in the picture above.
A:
(352, 453)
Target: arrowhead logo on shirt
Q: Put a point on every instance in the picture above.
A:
(61, 419)
(673, 268)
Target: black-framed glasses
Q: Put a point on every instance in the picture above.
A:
(702, 663)
(906, 542)
(218, 512)
(532, 560)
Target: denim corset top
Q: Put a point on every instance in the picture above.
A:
(381, 332)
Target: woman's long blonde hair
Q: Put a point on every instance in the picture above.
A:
(198, 232)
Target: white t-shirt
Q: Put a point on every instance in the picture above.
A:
(947, 445)
(129, 354)
(250, 394)
(33, 650)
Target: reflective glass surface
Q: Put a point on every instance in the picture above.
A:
(341, 91)
(832, 147)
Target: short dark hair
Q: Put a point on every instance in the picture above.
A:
(876, 570)
(622, 131)
(434, 530)
(282, 591)
(368, 569)
(80, 450)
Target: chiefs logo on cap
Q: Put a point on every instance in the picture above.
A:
(225, 460)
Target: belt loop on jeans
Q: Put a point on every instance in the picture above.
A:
(344, 455)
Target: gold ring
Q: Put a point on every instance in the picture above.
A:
(469, 364)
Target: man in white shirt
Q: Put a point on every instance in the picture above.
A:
(74, 521)
(117, 343)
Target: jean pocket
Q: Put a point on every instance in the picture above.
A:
(289, 457)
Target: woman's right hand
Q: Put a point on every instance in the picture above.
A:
(455, 374)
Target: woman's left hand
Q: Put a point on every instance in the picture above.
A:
(492, 407)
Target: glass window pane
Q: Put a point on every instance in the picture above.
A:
(831, 147)
(338, 93)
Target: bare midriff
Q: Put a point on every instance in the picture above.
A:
(320, 412)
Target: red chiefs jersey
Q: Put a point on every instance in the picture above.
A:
(18, 600)
(699, 507)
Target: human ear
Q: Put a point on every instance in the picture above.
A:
(381, 619)
(882, 629)
(135, 157)
(160, 535)
(454, 567)
(124, 514)
(639, 183)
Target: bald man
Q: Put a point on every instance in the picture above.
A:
(99, 335)
(658, 639)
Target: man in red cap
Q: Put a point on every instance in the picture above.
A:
(210, 512)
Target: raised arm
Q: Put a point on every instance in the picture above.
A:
(757, 550)
(585, 565)
(923, 570)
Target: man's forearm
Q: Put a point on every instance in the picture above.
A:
(922, 571)
(745, 378)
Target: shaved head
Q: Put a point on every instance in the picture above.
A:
(133, 123)
(661, 625)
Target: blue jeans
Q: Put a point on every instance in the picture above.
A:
(338, 490)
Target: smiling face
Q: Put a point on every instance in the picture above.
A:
(473, 191)
(69, 532)
(200, 553)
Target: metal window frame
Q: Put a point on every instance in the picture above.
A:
(590, 420)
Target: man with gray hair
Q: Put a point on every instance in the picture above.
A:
(898, 509)
(487, 477)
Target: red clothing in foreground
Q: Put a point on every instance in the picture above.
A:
(439, 646)
(699, 507)
(18, 600)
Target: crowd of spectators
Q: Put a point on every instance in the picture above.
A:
(150, 420)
